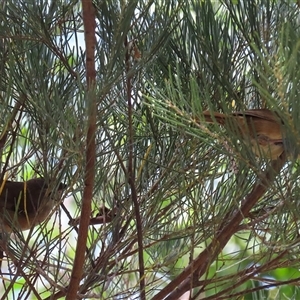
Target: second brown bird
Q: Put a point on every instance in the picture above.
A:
(260, 128)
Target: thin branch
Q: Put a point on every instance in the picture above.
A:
(131, 174)
(4, 134)
(90, 40)
(199, 266)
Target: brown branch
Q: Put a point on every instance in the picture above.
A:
(19, 264)
(90, 40)
(131, 175)
(189, 277)
(4, 134)
(242, 277)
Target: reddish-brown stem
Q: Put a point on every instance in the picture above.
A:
(189, 277)
(4, 134)
(131, 178)
(90, 41)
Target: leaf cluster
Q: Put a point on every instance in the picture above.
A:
(188, 178)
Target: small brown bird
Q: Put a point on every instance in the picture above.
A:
(260, 128)
(23, 205)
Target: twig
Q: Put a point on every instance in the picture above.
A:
(4, 134)
(90, 40)
(131, 175)
(189, 277)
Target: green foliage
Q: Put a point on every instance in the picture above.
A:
(189, 176)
